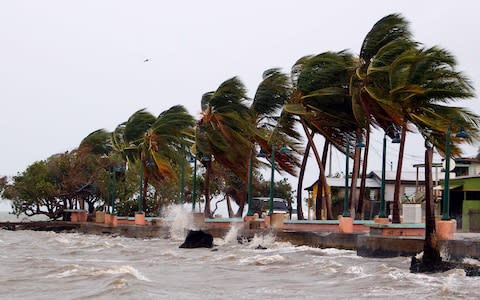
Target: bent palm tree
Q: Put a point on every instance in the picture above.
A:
(223, 132)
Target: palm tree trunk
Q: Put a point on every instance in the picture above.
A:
(361, 196)
(320, 166)
(300, 179)
(325, 203)
(398, 178)
(431, 254)
(353, 185)
(229, 207)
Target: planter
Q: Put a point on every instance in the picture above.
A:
(74, 217)
(412, 213)
(140, 218)
(114, 220)
(277, 220)
(99, 217)
(108, 219)
(345, 224)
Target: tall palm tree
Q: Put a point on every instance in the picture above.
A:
(272, 126)
(392, 33)
(323, 103)
(162, 144)
(223, 132)
(421, 83)
(98, 142)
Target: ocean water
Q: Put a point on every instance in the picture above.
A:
(47, 265)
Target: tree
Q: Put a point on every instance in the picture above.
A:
(223, 133)
(162, 146)
(34, 192)
(421, 82)
(274, 127)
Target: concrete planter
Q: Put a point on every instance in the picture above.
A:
(345, 224)
(114, 221)
(446, 229)
(277, 220)
(140, 218)
(99, 217)
(412, 213)
(199, 220)
(74, 217)
(108, 219)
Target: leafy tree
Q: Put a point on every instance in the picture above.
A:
(34, 192)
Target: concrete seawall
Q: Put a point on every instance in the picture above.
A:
(365, 244)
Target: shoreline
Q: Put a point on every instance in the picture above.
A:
(364, 244)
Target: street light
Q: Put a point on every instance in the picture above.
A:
(141, 199)
(194, 177)
(395, 140)
(194, 181)
(446, 189)
(250, 185)
(262, 153)
(182, 181)
(358, 144)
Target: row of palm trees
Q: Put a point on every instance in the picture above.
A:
(394, 85)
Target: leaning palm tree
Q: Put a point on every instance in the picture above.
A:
(223, 132)
(98, 142)
(421, 83)
(323, 104)
(391, 36)
(272, 126)
(162, 144)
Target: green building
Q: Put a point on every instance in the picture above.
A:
(465, 202)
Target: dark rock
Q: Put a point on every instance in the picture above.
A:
(260, 247)
(418, 266)
(9, 226)
(197, 239)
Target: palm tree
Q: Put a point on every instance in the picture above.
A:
(274, 127)
(323, 103)
(421, 82)
(389, 33)
(162, 145)
(97, 142)
(223, 132)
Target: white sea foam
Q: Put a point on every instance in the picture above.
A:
(263, 260)
(231, 236)
(471, 261)
(77, 270)
(180, 219)
(125, 269)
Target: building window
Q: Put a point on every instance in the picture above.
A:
(472, 195)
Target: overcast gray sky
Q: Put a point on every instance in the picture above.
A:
(68, 68)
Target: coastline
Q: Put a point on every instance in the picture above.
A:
(366, 245)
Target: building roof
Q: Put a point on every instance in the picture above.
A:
(340, 182)
(406, 175)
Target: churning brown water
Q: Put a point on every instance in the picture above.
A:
(47, 265)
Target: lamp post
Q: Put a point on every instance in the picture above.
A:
(272, 187)
(346, 211)
(395, 140)
(250, 185)
(446, 187)
(182, 181)
(140, 199)
(262, 153)
(194, 182)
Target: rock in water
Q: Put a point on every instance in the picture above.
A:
(198, 239)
